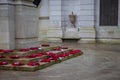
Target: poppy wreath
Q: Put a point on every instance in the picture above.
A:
(53, 56)
(15, 57)
(67, 53)
(37, 55)
(46, 60)
(6, 51)
(30, 56)
(34, 48)
(33, 64)
(43, 53)
(75, 51)
(3, 63)
(17, 64)
(34, 55)
(58, 49)
(24, 50)
(62, 55)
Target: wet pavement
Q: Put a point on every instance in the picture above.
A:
(99, 62)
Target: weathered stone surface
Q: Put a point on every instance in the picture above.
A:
(17, 19)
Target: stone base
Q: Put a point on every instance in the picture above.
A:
(26, 43)
(71, 33)
(54, 34)
(111, 41)
(87, 41)
(55, 40)
(87, 35)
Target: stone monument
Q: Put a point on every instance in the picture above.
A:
(71, 31)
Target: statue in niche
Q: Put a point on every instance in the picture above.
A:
(72, 18)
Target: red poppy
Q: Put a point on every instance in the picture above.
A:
(24, 50)
(3, 63)
(61, 55)
(33, 64)
(36, 55)
(50, 54)
(2, 56)
(17, 64)
(10, 50)
(75, 51)
(1, 50)
(53, 56)
(34, 48)
(6, 51)
(45, 45)
(57, 49)
(45, 60)
(72, 52)
(15, 57)
(67, 54)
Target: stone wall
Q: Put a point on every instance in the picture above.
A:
(7, 31)
(58, 13)
(43, 20)
(54, 32)
(87, 22)
(106, 34)
(54, 22)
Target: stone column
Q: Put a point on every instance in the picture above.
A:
(26, 22)
(54, 33)
(7, 36)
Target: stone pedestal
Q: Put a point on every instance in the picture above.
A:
(71, 33)
(54, 34)
(87, 35)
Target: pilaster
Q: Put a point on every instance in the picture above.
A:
(7, 30)
(54, 33)
(26, 24)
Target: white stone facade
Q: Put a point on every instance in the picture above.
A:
(87, 22)
(23, 25)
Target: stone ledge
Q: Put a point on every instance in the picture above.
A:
(24, 0)
(69, 38)
(43, 17)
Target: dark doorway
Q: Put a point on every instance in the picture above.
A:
(108, 12)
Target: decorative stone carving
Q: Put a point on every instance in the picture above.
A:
(72, 18)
